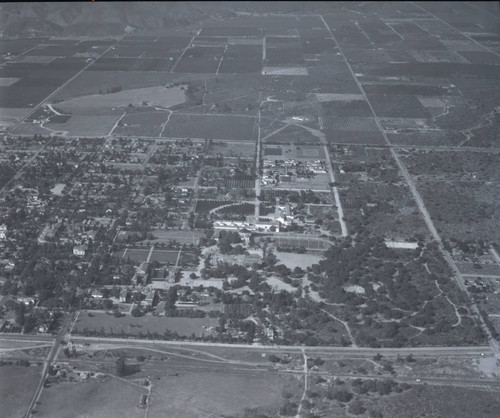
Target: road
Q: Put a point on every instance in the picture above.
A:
(47, 364)
(357, 352)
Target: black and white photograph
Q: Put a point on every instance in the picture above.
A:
(250, 209)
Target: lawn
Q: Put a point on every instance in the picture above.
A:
(293, 260)
(141, 326)
(140, 254)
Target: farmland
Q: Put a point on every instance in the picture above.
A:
(101, 396)
(232, 127)
(17, 384)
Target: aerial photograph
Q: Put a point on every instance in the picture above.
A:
(250, 209)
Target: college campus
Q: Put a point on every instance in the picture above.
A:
(250, 209)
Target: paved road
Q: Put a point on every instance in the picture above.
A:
(354, 351)
(47, 364)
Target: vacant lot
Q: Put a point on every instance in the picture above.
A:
(17, 385)
(141, 326)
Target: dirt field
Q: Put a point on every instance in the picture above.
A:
(17, 385)
(284, 71)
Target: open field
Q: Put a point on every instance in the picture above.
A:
(17, 384)
(146, 123)
(443, 401)
(138, 254)
(155, 96)
(9, 116)
(293, 260)
(91, 82)
(217, 394)
(142, 326)
(97, 397)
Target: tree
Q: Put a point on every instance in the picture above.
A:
(121, 367)
(20, 311)
(29, 324)
(356, 408)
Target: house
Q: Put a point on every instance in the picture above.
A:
(80, 250)
(143, 268)
(96, 294)
(151, 298)
(252, 259)
(125, 296)
(270, 333)
(3, 232)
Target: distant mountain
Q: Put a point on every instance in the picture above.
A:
(22, 19)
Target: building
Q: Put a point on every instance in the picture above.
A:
(80, 250)
(252, 259)
(3, 232)
(125, 296)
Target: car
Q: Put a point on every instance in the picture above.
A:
(418, 380)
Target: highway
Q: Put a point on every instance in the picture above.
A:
(357, 352)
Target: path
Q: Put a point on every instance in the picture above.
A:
(304, 393)
(348, 329)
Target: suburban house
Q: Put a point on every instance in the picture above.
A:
(3, 232)
(80, 250)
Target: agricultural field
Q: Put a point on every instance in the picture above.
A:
(373, 195)
(97, 397)
(231, 127)
(464, 205)
(17, 384)
(155, 96)
(145, 123)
